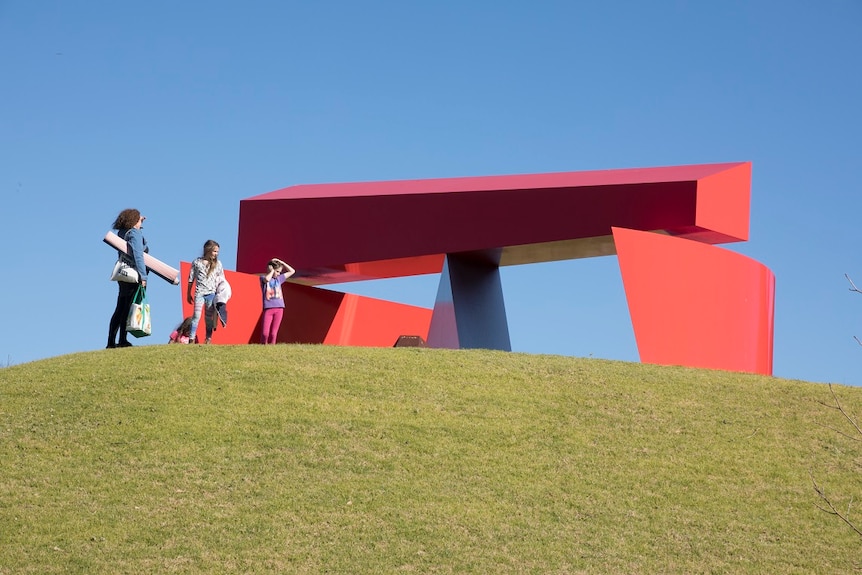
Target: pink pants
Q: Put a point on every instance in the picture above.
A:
(271, 323)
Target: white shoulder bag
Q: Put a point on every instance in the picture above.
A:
(123, 272)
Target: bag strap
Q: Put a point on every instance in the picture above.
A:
(142, 291)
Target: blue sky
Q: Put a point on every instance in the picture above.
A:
(182, 109)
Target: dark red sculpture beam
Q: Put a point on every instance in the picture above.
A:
(354, 231)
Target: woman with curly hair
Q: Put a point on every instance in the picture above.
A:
(204, 277)
(128, 226)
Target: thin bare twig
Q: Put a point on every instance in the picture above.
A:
(838, 431)
(827, 505)
(846, 415)
(831, 509)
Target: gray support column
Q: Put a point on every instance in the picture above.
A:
(469, 311)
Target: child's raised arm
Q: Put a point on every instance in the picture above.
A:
(286, 269)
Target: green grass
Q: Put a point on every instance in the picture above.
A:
(318, 459)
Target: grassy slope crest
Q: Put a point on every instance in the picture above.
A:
(310, 459)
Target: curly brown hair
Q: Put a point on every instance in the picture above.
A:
(127, 219)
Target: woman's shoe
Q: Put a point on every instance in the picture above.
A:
(125, 344)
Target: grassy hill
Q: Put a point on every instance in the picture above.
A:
(317, 459)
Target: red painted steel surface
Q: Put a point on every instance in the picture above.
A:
(332, 232)
(697, 305)
(312, 315)
(690, 303)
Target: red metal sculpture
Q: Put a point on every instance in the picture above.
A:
(661, 222)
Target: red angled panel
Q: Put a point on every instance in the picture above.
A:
(695, 304)
(314, 315)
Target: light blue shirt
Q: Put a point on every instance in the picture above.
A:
(135, 250)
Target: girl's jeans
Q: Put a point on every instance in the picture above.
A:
(205, 302)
